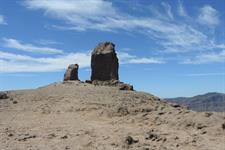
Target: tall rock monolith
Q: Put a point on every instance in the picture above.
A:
(104, 63)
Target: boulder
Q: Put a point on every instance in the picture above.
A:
(71, 72)
(127, 87)
(104, 62)
(3, 95)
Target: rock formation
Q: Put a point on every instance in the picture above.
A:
(104, 62)
(71, 72)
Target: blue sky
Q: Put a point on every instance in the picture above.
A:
(167, 48)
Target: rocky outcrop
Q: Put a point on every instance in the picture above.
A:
(104, 62)
(104, 66)
(72, 72)
(116, 83)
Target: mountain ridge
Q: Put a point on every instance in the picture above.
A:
(211, 101)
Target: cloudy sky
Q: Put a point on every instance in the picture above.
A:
(168, 48)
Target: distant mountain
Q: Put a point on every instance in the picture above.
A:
(206, 102)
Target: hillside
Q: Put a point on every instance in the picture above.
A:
(80, 116)
(206, 102)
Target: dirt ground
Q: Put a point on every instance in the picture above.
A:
(81, 116)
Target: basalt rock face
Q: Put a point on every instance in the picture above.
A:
(72, 72)
(104, 62)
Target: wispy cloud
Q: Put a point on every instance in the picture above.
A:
(167, 9)
(15, 44)
(205, 74)
(47, 42)
(2, 20)
(171, 34)
(206, 58)
(181, 9)
(126, 58)
(208, 15)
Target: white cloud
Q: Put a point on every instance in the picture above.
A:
(13, 43)
(207, 58)
(208, 15)
(172, 36)
(2, 20)
(10, 62)
(79, 13)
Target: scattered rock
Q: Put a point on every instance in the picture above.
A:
(161, 113)
(51, 136)
(15, 102)
(126, 87)
(146, 110)
(175, 105)
(122, 111)
(129, 140)
(151, 135)
(3, 95)
(10, 134)
(203, 132)
(223, 126)
(190, 124)
(115, 83)
(208, 114)
(26, 137)
(88, 81)
(200, 126)
(72, 72)
(64, 137)
(104, 62)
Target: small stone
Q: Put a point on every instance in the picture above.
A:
(122, 111)
(52, 135)
(175, 105)
(223, 126)
(161, 113)
(129, 140)
(15, 102)
(151, 136)
(208, 114)
(126, 87)
(200, 126)
(203, 132)
(64, 137)
(88, 81)
(10, 134)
